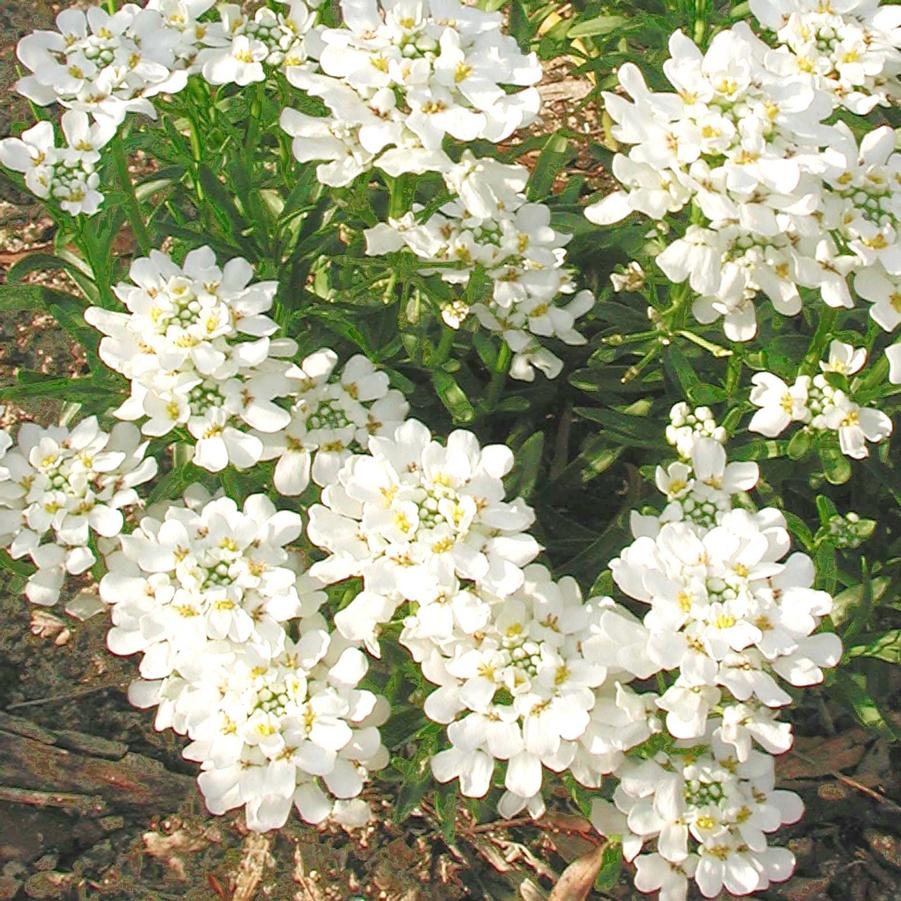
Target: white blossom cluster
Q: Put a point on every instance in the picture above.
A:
(398, 77)
(206, 593)
(411, 517)
(105, 64)
(491, 227)
(534, 680)
(66, 174)
(787, 203)
(62, 491)
(199, 354)
(730, 616)
(527, 673)
(332, 415)
(709, 812)
(849, 48)
(819, 405)
(239, 49)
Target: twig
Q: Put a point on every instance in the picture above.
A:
(84, 804)
(52, 699)
(872, 793)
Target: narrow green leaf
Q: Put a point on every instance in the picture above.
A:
(551, 161)
(453, 397)
(40, 262)
(886, 646)
(521, 481)
(836, 466)
(852, 688)
(599, 25)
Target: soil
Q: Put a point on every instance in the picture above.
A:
(67, 691)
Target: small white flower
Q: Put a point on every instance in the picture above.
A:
(58, 488)
(780, 405)
(844, 359)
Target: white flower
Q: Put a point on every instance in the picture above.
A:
(893, 354)
(276, 731)
(411, 516)
(630, 280)
(780, 405)
(240, 49)
(724, 611)
(856, 425)
(332, 416)
(327, 138)
(408, 76)
(519, 677)
(688, 426)
(709, 814)
(58, 488)
(521, 253)
(862, 205)
(196, 345)
(64, 174)
(653, 873)
(103, 64)
(846, 49)
(883, 290)
(216, 573)
(844, 359)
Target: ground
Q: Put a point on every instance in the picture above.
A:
(60, 688)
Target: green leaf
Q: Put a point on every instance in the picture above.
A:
(827, 571)
(680, 369)
(453, 397)
(172, 485)
(836, 466)
(40, 262)
(853, 690)
(886, 646)
(521, 481)
(36, 384)
(799, 445)
(611, 867)
(551, 161)
(446, 801)
(520, 27)
(599, 25)
(847, 603)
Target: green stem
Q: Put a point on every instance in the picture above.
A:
(397, 201)
(498, 376)
(445, 346)
(98, 262)
(132, 207)
(821, 337)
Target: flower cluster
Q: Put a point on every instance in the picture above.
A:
(728, 618)
(851, 50)
(706, 795)
(493, 229)
(787, 203)
(529, 680)
(196, 347)
(332, 415)
(61, 491)
(412, 517)
(819, 404)
(66, 175)
(206, 594)
(398, 77)
(239, 49)
(104, 64)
